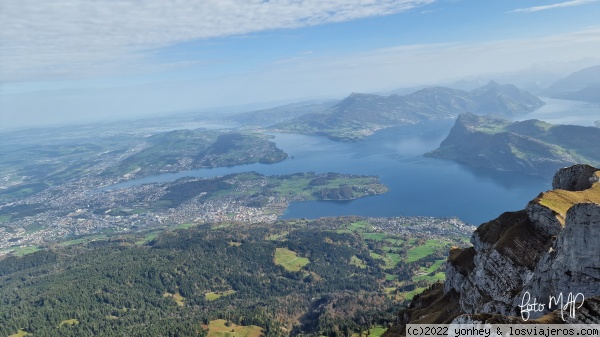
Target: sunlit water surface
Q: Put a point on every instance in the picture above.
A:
(419, 186)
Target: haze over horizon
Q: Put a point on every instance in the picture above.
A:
(78, 61)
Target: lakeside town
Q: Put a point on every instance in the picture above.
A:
(80, 209)
(90, 191)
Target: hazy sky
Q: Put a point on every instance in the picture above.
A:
(82, 60)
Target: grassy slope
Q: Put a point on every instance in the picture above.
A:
(397, 251)
(560, 200)
(289, 259)
(180, 300)
(419, 252)
(211, 296)
(219, 328)
(20, 333)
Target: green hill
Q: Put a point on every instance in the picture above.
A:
(530, 146)
(189, 149)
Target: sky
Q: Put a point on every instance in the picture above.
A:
(74, 61)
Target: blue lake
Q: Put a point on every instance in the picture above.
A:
(418, 185)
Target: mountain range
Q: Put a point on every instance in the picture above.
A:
(582, 85)
(360, 115)
(529, 146)
(278, 114)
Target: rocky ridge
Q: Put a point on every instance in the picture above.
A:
(549, 248)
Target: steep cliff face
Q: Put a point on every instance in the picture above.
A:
(573, 266)
(575, 178)
(506, 251)
(549, 248)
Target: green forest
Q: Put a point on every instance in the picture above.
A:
(331, 277)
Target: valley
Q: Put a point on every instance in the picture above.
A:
(73, 188)
(245, 232)
(305, 168)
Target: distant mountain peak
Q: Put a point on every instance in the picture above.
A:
(361, 114)
(580, 84)
(361, 95)
(495, 86)
(505, 98)
(492, 84)
(358, 97)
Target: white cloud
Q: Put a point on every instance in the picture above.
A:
(423, 64)
(314, 75)
(553, 6)
(63, 38)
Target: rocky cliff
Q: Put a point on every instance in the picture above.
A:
(549, 248)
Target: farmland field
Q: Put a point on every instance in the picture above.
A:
(289, 259)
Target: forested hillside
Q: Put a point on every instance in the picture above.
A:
(325, 277)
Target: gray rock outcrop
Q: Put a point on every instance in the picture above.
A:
(574, 178)
(572, 266)
(550, 248)
(531, 251)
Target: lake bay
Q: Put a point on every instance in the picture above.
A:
(419, 186)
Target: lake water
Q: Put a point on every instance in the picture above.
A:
(419, 186)
(560, 111)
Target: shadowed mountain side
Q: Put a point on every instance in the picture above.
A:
(590, 93)
(582, 85)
